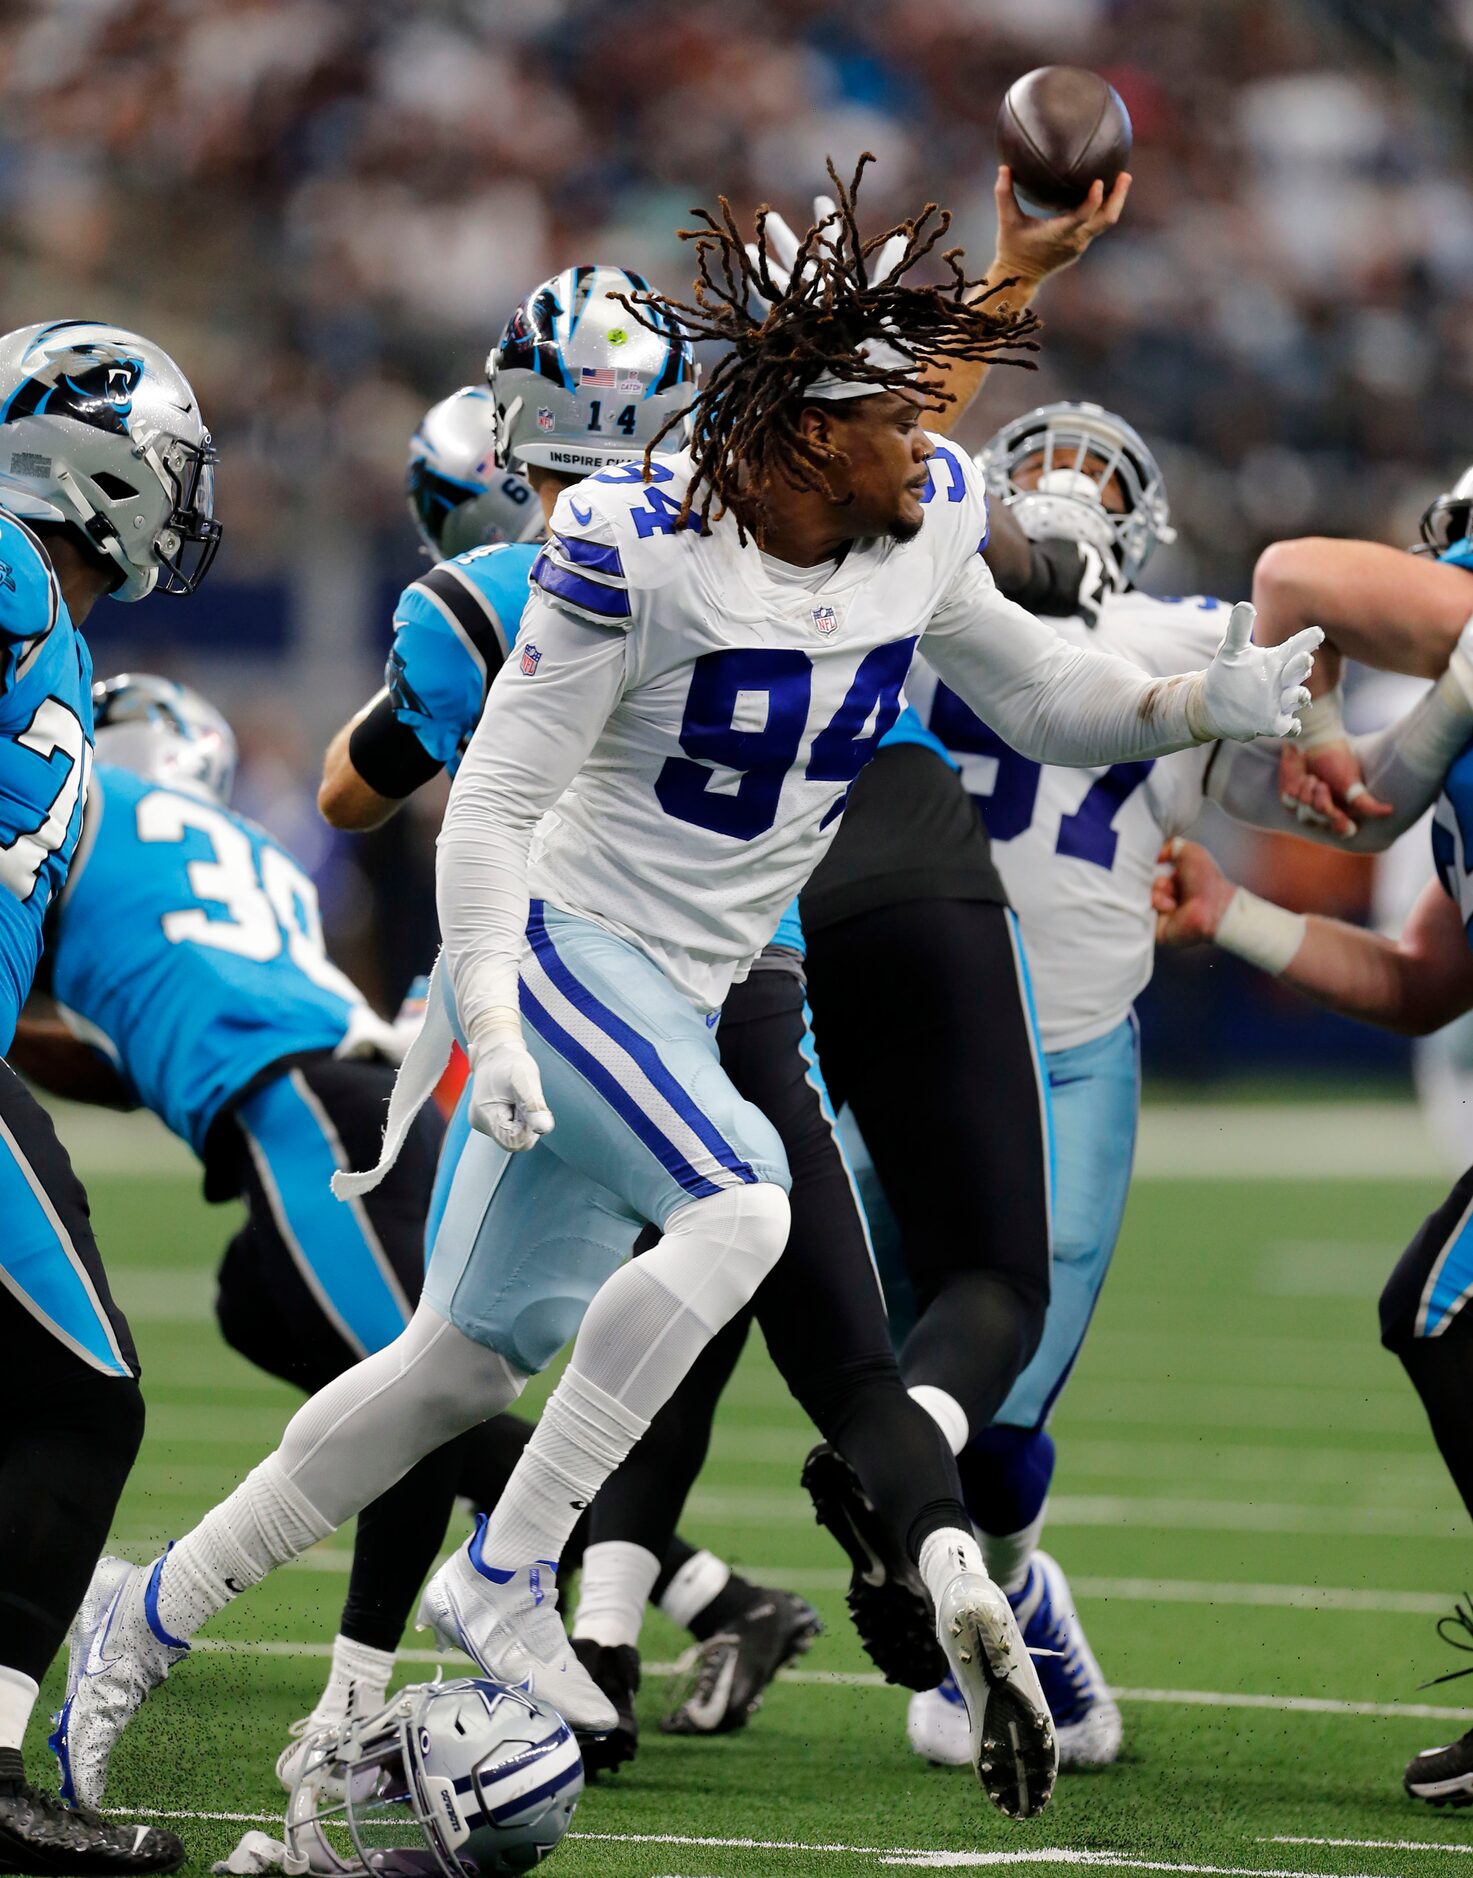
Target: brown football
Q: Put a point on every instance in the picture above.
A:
(1059, 128)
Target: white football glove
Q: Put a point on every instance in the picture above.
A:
(1256, 691)
(506, 1102)
(783, 245)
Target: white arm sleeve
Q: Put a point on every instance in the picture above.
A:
(1404, 764)
(1053, 702)
(534, 736)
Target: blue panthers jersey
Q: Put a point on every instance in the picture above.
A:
(188, 944)
(453, 628)
(45, 754)
(1452, 837)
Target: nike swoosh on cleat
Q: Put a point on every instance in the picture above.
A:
(97, 1658)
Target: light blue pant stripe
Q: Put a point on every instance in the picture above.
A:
(40, 1266)
(296, 1152)
(457, 1133)
(808, 1050)
(1451, 1283)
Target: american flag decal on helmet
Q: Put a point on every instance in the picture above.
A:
(531, 659)
(825, 620)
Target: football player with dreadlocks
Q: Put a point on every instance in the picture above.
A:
(107, 488)
(717, 641)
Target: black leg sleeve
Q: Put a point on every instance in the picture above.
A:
(969, 1187)
(820, 1309)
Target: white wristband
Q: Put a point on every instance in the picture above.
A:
(1322, 722)
(499, 1023)
(1266, 935)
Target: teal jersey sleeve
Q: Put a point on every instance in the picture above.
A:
(30, 598)
(453, 629)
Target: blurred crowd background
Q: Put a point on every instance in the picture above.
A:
(326, 210)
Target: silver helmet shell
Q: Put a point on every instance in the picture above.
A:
(485, 1777)
(459, 495)
(101, 430)
(578, 382)
(165, 733)
(1071, 454)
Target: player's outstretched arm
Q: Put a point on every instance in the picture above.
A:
(1403, 765)
(1396, 611)
(1073, 705)
(1415, 984)
(542, 718)
(373, 765)
(46, 1052)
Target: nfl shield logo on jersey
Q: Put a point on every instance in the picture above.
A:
(825, 620)
(531, 659)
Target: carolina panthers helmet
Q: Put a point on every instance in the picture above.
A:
(578, 382)
(484, 1776)
(1447, 524)
(101, 430)
(164, 732)
(458, 495)
(1070, 454)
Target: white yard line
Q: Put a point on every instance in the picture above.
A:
(1275, 1597)
(1376, 1845)
(1096, 1861)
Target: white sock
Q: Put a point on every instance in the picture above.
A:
(265, 1522)
(358, 1683)
(1009, 1554)
(613, 1589)
(947, 1413)
(17, 1698)
(699, 1580)
(582, 1437)
(946, 1552)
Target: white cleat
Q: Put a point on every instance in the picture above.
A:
(1086, 1715)
(295, 1755)
(117, 1653)
(1013, 1749)
(508, 1624)
(937, 1727)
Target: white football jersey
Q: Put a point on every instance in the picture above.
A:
(748, 707)
(1077, 847)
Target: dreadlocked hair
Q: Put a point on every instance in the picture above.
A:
(745, 421)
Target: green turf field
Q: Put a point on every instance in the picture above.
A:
(1247, 1500)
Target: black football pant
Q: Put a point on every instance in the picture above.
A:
(1427, 1321)
(71, 1413)
(921, 1013)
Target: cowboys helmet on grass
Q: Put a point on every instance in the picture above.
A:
(579, 383)
(165, 733)
(483, 1777)
(459, 496)
(1056, 468)
(100, 431)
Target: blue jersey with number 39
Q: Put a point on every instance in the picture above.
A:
(45, 754)
(188, 949)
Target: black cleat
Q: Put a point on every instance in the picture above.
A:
(890, 1606)
(615, 1668)
(724, 1687)
(40, 1834)
(1443, 1776)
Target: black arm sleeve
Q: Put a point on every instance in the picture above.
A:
(1055, 571)
(388, 755)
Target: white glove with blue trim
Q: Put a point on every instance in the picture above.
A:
(506, 1101)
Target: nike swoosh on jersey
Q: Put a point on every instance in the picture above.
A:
(583, 516)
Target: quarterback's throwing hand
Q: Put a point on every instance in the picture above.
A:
(507, 1102)
(1257, 691)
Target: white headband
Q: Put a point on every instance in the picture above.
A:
(877, 352)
